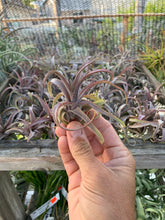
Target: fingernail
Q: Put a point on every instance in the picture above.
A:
(77, 132)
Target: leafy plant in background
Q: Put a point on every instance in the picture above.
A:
(150, 194)
(127, 10)
(107, 37)
(99, 36)
(153, 6)
(71, 41)
(154, 59)
(45, 186)
(152, 27)
(27, 2)
(11, 53)
(156, 6)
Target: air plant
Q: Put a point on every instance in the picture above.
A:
(9, 124)
(150, 126)
(11, 53)
(19, 97)
(147, 118)
(27, 81)
(37, 126)
(142, 115)
(77, 100)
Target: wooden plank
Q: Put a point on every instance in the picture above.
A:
(33, 155)
(148, 155)
(44, 155)
(10, 204)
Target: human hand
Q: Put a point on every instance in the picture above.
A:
(101, 177)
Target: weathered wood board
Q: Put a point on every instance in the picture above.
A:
(44, 155)
(10, 204)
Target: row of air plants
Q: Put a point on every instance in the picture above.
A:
(40, 100)
(32, 108)
(45, 107)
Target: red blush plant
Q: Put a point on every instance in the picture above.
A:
(79, 96)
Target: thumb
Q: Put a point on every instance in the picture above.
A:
(79, 147)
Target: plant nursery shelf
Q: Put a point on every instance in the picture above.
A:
(44, 155)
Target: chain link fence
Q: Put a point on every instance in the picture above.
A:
(85, 27)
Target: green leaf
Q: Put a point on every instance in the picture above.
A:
(140, 209)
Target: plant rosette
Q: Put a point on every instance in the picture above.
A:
(78, 97)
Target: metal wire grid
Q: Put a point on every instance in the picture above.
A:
(86, 27)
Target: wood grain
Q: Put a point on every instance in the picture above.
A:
(10, 204)
(44, 155)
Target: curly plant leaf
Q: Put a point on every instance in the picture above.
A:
(95, 99)
(78, 84)
(56, 98)
(31, 114)
(156, 211)
(77, 77)
(143, 123)
(62, 78)
(31, 135)
(44, 105)
(102, 111)
(88, 122)
(49, 87)
(140, 209)
(59, 116)
(59, 113)
(62, 87)
(87, 88)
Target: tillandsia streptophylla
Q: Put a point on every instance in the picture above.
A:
(76, 99)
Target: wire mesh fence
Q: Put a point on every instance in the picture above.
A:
(85, 27)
